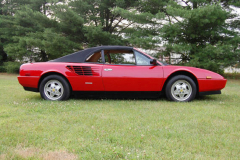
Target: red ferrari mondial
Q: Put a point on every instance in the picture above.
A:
(117, 71)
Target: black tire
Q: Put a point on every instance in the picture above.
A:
(55, 88)
(181, 88)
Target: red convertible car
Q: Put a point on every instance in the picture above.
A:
(117, 71)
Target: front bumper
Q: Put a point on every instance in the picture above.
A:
(207, 85)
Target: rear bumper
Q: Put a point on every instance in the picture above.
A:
(29, 81)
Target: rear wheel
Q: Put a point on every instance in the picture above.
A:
(54, 87)
(181, 88)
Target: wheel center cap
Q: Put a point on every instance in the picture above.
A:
(53, 90)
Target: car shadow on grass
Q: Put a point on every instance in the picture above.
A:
(207, 98)
(161, 98)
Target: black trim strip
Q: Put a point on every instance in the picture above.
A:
(102, 55)
(209, 93)
(31, 89)
(119, 94)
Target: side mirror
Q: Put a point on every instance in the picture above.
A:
(153, 61)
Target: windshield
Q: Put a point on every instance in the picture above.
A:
(163, 63)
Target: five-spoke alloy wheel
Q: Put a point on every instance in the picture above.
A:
(181, 88)
(54, 87)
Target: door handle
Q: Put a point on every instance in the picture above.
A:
(107, 69)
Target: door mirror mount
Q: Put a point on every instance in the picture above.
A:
(153, 62)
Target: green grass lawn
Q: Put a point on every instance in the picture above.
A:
(31, 128)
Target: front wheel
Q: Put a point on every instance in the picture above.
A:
(54, 88)
(181, 88)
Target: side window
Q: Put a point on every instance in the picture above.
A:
(119, 57)
(141, 59)
(95, 58)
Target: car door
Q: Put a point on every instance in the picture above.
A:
(133, 72)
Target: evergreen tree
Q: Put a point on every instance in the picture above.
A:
(198, 32)
(80, 23)
(114, 22)
(31, 35)
(203, 32)
(3, 12)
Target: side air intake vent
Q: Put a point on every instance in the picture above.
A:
(83, 70)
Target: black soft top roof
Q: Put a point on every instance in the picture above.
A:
(80, 56)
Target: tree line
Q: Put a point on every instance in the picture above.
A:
(205, 33)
